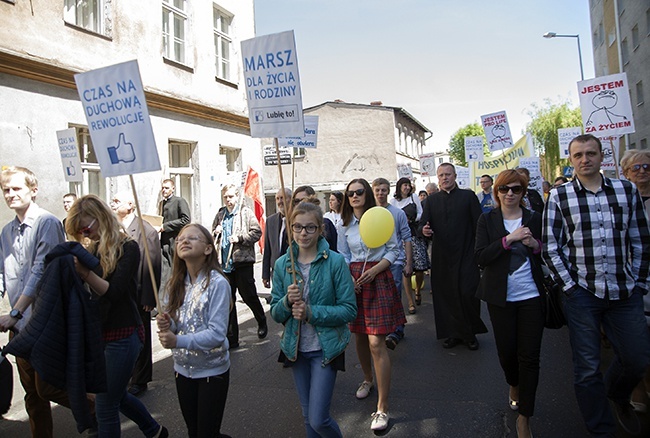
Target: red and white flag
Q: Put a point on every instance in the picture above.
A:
(253, 189)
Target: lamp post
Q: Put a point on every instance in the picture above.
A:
(555, 35)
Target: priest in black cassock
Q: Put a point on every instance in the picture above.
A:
(450, 218)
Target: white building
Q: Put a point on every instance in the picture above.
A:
(190, 64)
(354, 141)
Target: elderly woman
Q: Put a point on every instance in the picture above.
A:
(636, 168)
(508, 248)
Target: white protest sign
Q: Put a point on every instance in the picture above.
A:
(405, 171)
(428, 165)
(605, 105)
(67, 139)
(462, 177)
(497, 131)
(308, 140)
(273, 86)
(532, 164)
(474, 149)
(610, 152)
(564, 137)
(118, 119)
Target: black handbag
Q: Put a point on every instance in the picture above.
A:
(553, 308)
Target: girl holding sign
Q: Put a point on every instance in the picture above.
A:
(314, 307)
(380, 310)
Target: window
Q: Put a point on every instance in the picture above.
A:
(88, 14)
(222, 43)
(625, 55)
(635, 37)
(181, 169)
(174, 22)
(644, 143)
(647, 21)
(233, 158)
(639, 93)
(298, 152)
(93, 181)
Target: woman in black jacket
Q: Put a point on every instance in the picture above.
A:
(508, 247)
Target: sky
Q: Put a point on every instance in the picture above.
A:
(446, 62)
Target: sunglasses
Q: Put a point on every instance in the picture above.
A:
(297, 228)
(515, 189)
(85, 231)
(358, 192)
(637, 167)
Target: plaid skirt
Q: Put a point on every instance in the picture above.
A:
(380, 308)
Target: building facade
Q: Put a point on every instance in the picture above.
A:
(190, 64)
(621, 40)
(354, 141)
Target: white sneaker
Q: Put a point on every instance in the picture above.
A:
(364, 389)
(379, 420)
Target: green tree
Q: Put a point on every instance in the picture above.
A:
(546, 120)
(457, 142)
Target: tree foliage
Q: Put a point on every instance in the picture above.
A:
(546, 120)
(457, 142)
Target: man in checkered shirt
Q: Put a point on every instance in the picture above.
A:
(597, 244)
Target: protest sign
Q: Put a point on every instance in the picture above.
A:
(532, 164)
(497, 131)
(610, 153)
(474, 149)
(605, 105)
(509, 159)
(273, 86)
(428, 164)
(564, 137)
(69, 150)
(118, 119)
(405, 171)
(462, 177)
(308, 140)
(271, 157)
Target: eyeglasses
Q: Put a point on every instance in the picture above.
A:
(515, 189)
(297, 228)
(358, 192)
(85, 231)
(190, 239)
(645, 166)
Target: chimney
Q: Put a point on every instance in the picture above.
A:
(376, 103)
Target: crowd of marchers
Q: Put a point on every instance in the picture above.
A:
(83, 291)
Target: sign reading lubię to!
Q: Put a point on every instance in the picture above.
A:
(273, 86)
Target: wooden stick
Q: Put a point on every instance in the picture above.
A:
(146, 247)
(287, 210)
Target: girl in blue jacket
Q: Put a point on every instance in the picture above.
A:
(314, 302)
(194, 326)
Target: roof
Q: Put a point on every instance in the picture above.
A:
(402, 111)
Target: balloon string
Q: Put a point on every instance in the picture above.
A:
(363, 269)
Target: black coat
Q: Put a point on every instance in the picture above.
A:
(495, 259)
(62, 340)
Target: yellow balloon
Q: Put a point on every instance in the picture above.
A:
(414, 282)
(376, 226)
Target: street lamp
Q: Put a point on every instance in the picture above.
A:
(555, 35)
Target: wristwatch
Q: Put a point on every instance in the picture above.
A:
(15, 313)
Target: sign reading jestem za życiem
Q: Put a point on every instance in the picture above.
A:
(118, 119)
(605, 106)
(273, 86)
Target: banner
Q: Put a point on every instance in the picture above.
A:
(509, 159)
(273, 86)
(118, 119)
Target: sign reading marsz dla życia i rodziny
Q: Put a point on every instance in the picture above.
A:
(273, 86)
(118, 119)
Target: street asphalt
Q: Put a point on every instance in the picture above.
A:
(434, 392)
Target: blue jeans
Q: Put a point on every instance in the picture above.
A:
(396, 269)
(120, 360)
(315, 385)
(624, 324)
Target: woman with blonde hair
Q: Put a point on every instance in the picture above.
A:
(114, 283)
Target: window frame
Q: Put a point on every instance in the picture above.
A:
(169, 38)
(183, 172)
(222, 62)
(74, 14)
(93, 180)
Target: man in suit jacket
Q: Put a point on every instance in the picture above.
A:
(176, 214)
(275, 239)
(124, 207)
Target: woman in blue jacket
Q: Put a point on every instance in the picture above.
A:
(314, 302)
